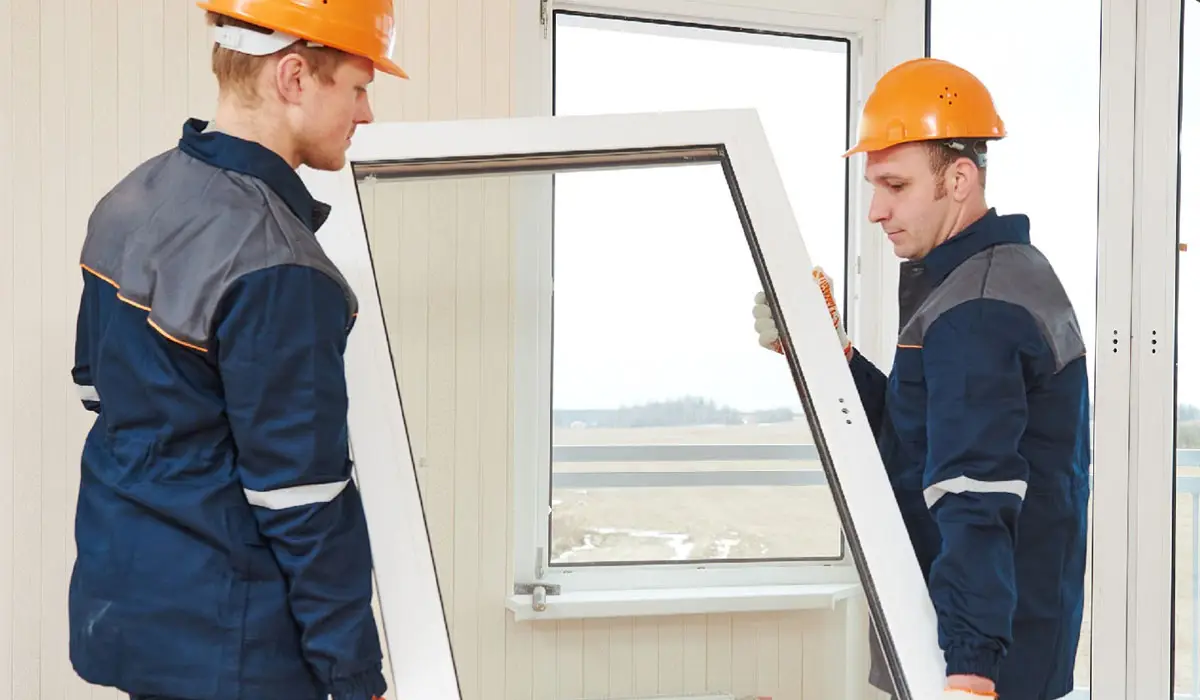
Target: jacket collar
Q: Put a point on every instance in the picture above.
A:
(990, 230)
(249, 158)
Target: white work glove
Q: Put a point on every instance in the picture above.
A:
(768, 333)
(764, 324)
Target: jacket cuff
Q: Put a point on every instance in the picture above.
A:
(973, 661)
(367, 685)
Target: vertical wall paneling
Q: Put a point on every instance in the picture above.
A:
(596, 659)
(494, 456)
(469, 390)
(440, 428)
(176, 53)
(28, 276)
(695, 654)
(128, 76)
(438, 485)
(8, 339)
(720, 651)
(791, 652)
(645, 656)
(767, 682)
(152, 114)
(570, 659)
(55, 359)
(621, 652)
(545, 651)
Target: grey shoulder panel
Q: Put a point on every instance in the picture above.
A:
(176, 233)
(1014, 273)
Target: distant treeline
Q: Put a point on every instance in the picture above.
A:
(692, 410)
(689, 410)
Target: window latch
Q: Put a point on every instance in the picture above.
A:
(538, 590)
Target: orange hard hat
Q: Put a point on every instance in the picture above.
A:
(365, 28)
(927, 99)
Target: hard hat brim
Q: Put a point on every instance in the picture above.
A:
(390, 67)
(869, 145)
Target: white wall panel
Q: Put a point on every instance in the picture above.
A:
(89, 89)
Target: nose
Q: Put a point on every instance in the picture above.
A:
(364, 113)
(878, 210)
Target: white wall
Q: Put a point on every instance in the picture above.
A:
(88, 90)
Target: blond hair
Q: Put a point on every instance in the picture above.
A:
(237, 72)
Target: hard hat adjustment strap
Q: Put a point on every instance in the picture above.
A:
(254, 43)
(975, 149)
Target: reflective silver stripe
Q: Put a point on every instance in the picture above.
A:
(965, 484)
(293, 496)
(87, 393)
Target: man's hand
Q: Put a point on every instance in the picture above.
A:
(825, 284)
(969, 688)
(768, 333)
(764, 324)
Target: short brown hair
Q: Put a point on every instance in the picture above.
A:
(237, 72)
(942, 155)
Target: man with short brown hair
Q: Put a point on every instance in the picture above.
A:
(222, 545)
(983, 422)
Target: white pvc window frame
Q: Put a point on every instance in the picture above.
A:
(1154, 245)
(416, 633)
(880, 34)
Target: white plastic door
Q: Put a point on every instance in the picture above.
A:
(734, 142)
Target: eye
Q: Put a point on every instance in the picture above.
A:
(895, 186)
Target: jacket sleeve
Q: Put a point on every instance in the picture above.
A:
(872, 389)
(975, 478)
(280, 334)
(85, 334)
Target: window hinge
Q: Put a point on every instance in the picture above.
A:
(544, 16)
(538, 589)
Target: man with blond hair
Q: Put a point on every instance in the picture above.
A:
(982, 423)
(222, 544)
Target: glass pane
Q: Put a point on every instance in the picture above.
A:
(1058, 65)
(657, 370)
(1187, 391)
(613, 66)
(676, 436)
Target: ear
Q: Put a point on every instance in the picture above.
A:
(290, 73)
(964, 178)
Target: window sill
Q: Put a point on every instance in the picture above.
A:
(683, 601)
